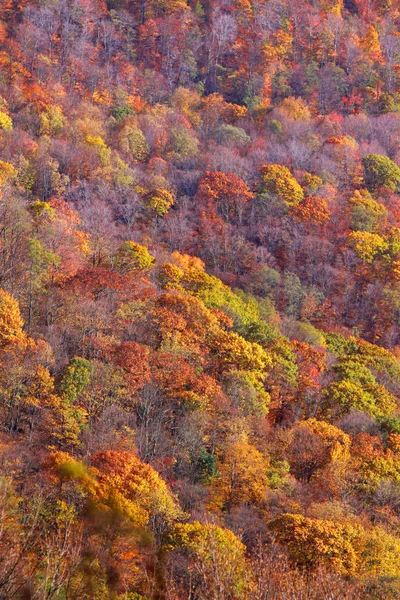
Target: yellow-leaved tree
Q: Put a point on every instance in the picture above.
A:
(214, 557)
(242, 476)
(11, 322)
(316, 445)
(278, 180)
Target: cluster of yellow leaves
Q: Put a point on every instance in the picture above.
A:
(137, 143)
(279, 48)
(317, 449)
(368, 246)
(232, 350)
(374, 462)
(295, 108)
(216, 558)
(242, 476)
(102, 97)
(132, 258)
(278, 180)
(370, 43)
(311, 181)
(7, 172)
(346, 547)
(246, 391)
(51, 120)
(337, 442)
(188, 102)
(160, 201)
(11, 322)
(119, 481)
(316, 541)
(229, 349)
(347, 395)
(104, 152)
(365, 210)
(5, 121)
(333, 6)
(363, 198)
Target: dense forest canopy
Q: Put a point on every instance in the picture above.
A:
(200, 300)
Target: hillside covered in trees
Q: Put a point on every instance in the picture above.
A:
(199, 300)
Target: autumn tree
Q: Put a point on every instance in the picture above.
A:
(312, 541)
(380, 171)
(133, 258)
(214, 556)
(226, 192)
(278, 180)
(242, 476)
(314, 445)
